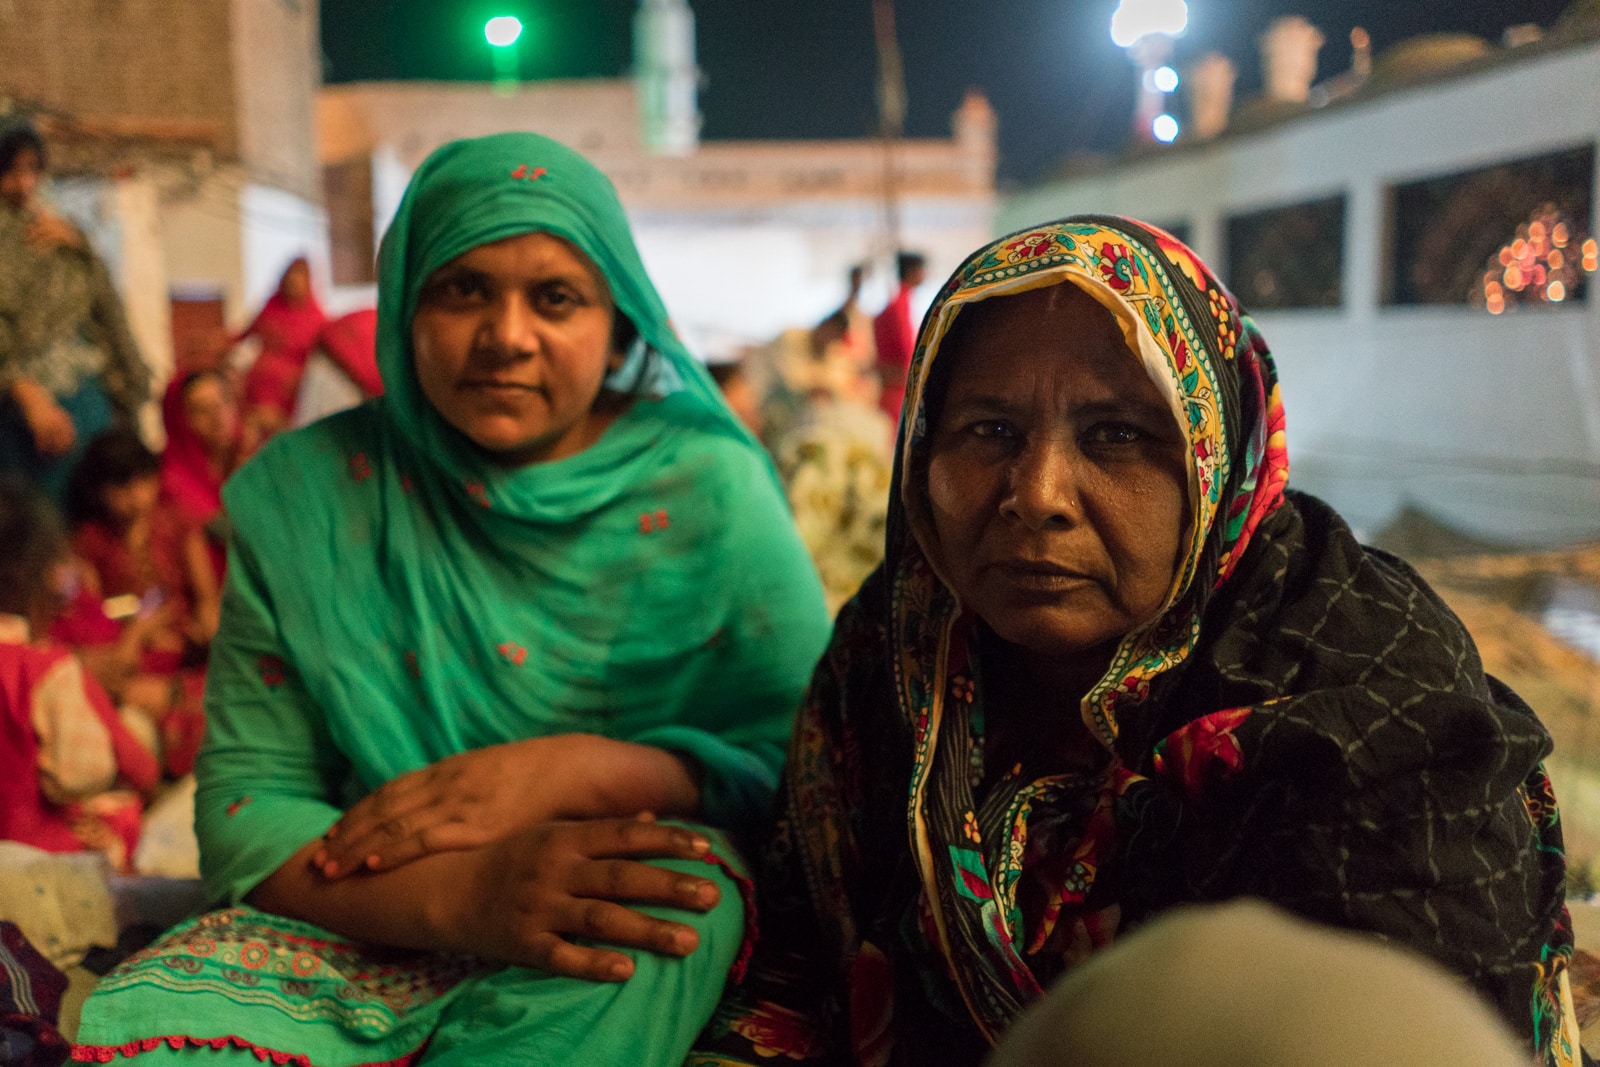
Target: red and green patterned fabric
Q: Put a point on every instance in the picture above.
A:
(1304, 722)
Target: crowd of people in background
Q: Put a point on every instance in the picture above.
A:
(115, 551)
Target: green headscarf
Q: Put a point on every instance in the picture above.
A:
(470, 193)
(397, 597)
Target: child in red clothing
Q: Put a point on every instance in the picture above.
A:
(149, 568)
(72, 775)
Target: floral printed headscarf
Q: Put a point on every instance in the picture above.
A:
(1206, 356)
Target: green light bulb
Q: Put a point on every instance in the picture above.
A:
(502, 31)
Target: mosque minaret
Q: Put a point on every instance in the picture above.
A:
(666, 76)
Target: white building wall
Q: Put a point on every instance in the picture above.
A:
(143, 277)
(741, 278)
(1490, 422)
(230, 234)
(743, 239)
(276, 228)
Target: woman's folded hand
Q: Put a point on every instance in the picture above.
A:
(525, 899)
(480, 797)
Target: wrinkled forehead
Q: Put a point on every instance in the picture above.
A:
(534, 252)
(1046, 321)
(1039, 312)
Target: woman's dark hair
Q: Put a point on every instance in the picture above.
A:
(195, 377)
(15, 137)
(34, 537)
(112, 459)
(723, 373)
(624, 335)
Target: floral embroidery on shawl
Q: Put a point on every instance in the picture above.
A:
(1202, 752)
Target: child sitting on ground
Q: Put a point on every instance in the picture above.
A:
(72, 776)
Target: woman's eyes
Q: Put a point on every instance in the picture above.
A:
(1099, 434)
(1114, 433)
(992, 429)
(557, 299)
(551, 299)
(459, 288)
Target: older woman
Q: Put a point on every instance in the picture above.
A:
(543, 585)
(69, 365)
(1112, 665)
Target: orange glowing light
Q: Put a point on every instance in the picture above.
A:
(1505, 257)
(1556, 260)
(1558, 236)
(1519, 248)
(1514, 276)
(1556, 292)
(1496, 305)
(1536, 230)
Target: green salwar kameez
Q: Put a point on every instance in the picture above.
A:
(394, 598)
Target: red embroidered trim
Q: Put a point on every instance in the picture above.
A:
(747, 893)
(179, 1042)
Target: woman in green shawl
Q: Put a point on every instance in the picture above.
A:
(546, 583)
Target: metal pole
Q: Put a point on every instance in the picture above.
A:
(891, 115)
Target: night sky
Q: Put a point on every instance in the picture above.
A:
(806, 68)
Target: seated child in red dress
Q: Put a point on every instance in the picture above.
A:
(72, 776)
(147, 568)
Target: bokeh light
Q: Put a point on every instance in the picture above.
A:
(1134, 19)
(1537, 265)
(502, 31)
(1165, 128)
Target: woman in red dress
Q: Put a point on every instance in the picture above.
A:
(288, 328)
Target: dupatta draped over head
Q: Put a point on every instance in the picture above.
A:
(396, 596)
(288, 331)
(189, 479)
(1304, 721)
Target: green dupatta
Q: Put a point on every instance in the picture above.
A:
(393, 598)
(398, 598)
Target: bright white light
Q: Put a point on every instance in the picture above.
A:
(1136, 18)
(503, 30)
(1165, 79)
(1165, 127)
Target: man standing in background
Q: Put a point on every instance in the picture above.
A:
(896, 334)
